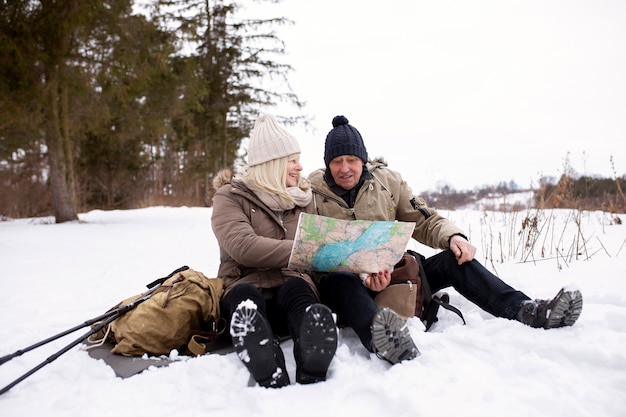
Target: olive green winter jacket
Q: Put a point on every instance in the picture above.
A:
(385, 197)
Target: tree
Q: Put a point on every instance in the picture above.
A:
(103, 108)
(55, 25)
(133, 97)
(233, 58)
(21, 143)
(45, 75)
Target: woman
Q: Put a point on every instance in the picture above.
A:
(255, 215)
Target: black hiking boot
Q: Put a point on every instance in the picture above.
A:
(316, 346)
(256, 347)
(563, 310)
(391, 338)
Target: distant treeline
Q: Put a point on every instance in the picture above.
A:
(583, 193)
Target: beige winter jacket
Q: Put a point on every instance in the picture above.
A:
(385, 197)
(255, 242)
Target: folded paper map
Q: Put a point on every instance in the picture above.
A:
(357, 246)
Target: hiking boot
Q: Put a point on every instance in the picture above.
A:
(391, 338)
(316, 345)
(563, 310)
(256, 347)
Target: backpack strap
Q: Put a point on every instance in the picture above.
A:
(432, 302)
(444, 301)
(162, 280)
(429, 316)
(202, 342)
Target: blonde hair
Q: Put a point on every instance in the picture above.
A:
(271, 177)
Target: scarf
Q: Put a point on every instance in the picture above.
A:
(301, 197)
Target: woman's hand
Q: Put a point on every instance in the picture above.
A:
(378, 281)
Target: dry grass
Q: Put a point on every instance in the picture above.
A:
(536, 235)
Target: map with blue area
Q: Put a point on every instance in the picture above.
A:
(358, 246)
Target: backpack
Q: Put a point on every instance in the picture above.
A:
(182, 313)
(409, 294)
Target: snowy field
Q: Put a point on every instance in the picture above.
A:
(57, 276)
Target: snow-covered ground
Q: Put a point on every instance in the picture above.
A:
(504, 202)
(54, 277)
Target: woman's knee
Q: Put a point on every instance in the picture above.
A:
(239, 293)
(295, 288)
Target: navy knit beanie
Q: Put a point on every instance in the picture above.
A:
(344, 139)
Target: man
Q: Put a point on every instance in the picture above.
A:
(350, 188)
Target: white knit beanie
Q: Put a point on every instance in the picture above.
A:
(270, 141)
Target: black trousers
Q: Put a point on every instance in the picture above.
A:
(474, 282)
(354, 304)
(283, 307)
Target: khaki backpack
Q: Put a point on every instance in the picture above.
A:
(183, 310)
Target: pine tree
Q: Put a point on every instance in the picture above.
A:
(232, 58)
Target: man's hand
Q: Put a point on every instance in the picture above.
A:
(378, 281)
(463, 250)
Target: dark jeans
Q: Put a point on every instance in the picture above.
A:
(345, 294)
(474, 282)
(283, 307)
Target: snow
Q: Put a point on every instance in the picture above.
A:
(56, 276)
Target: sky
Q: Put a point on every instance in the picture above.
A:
(57, 276)
(464, 93)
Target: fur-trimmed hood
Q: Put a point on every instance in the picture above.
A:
(223, 177)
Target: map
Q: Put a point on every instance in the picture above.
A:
(326, 244)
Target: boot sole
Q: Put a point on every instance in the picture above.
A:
(391, 337)
(565, 309)
(253, 342)
(318, 343)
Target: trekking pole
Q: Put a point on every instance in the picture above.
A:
(109, 313)
(17, 353)
(109, 317)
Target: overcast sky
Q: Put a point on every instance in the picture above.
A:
(465, 93)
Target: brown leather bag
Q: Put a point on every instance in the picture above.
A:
(405, 293)
(409, 294)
